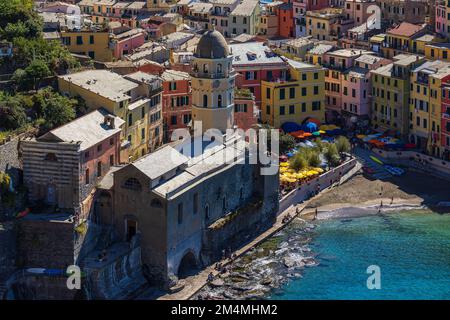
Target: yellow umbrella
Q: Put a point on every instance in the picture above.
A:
(284, 164)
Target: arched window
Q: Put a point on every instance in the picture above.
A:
(132, 184)
(86, 176)
(224, 204)
(205, 101)
(130, 119)
(205, 68)
(219, 68)
(156, 203)
(219, 101)
(51, 157)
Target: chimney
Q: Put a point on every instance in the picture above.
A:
(109, 121)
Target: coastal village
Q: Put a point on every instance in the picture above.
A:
(128, 134)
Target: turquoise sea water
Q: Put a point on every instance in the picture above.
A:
(412, 250)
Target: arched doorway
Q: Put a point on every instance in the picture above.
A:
(188, 265)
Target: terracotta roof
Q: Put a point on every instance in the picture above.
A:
(405, 29)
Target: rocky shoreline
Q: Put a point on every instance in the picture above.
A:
(266, 267)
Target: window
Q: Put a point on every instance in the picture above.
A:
(316, 105)
(86, 176)
(79, 40)
(130, 119)
(316, 90)
(267, 109)
(205, 101)
(132, 184)
(282, 94)
(172, 86)
(99, 147)
(51, 157)
(316, 76)
(291, 93)
(180, 213)
(304, 92)
(224, 204)
(268, 93)
(111, 141)
(291, 109)
(91, 39)
(173, 120)
(304, 76)
(111, 160)
(281, 110)
(143, 133)
(219, 101)
(99, 169)
(195, 203)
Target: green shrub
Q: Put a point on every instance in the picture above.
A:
(342, 144)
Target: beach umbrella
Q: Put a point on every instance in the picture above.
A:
(284, 164)
(316, 133)
(289, 154)
(310, 127)
(289, 127)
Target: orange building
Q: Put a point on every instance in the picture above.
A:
(176, 101)
(286, 20)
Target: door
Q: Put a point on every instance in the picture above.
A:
(51, 194)
(131, 228)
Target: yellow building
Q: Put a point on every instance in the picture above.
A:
(302, 96)
(135, 99)
(437, 51)
(425, 105)
(94, 44)
(391, 93)
(406, 37)
(315, 55)
(326, 24)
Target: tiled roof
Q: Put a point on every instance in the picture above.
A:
(405, 29)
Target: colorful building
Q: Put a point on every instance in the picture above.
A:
(401, 39)
(62, 167)
(244, 18)
(95, 44)
(437, 51)
(286, 20)
(176, 101)
(136, 100)
(125, 42)
(269, 21)
(300, 97)
(327, 24)
(391, 90)
(255, 62)
(246, 113)
(445, 122)
(427, 81)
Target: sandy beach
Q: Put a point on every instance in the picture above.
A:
(362, 195)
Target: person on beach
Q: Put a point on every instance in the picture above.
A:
(210, 277)
(315, 214)
(392, 200)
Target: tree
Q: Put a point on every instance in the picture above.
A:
(313, 157)
(12, 113)
(298, 161)
(342, 144)
(287, 142)
(332, 155)
(54, 108)
(32, 75)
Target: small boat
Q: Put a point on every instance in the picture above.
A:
(376, 160)
(396, 171)
(36, 270)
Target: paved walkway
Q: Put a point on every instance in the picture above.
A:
(195, 283)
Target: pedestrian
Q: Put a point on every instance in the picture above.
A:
(210, 277)
(315, 214)
(392, 200)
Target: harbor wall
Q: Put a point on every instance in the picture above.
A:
(417, 161)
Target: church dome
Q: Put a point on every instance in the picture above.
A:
(212, 45)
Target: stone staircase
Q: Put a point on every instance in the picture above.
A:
(363, 156)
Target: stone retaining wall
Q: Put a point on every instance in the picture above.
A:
(325, 180)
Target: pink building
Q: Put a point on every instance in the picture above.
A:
(300, 8)
(125, 43)
(246, 112)
(357, 10)
(441, 18)
(347, 83)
